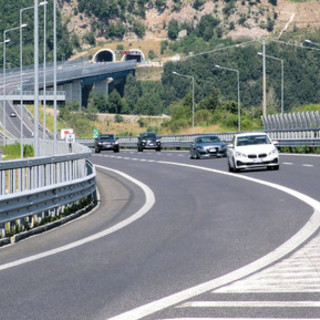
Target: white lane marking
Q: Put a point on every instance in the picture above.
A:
(297, 273)
(250, 304)
(288, 163)
(238, 319)
(308, 165)
(149, 202)
(304, 233)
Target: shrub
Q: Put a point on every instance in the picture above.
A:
(118, 118)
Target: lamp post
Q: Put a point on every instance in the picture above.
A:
(4, 43)
(43, 3)
(55, 75)
(192, 78)
(4, 76)
(264, 79)
(238, 78)
(44, 65)
(21, 83)
(311, 42)
(282, 76)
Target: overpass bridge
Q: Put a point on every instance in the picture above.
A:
(74, 81)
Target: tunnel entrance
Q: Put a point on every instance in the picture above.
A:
(104, 55)
(134, 54)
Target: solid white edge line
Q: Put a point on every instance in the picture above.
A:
(250, 304)
(149, 202)
(238, 319)
(296, 240)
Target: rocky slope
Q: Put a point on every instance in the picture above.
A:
(249, 18)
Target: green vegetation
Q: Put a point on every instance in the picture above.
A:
(13, 151)
(10, 17)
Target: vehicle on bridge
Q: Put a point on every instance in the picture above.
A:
(106, 142)
(252, 150)
(207, 146)
(148, 140)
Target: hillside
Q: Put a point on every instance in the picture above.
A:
(250, 19)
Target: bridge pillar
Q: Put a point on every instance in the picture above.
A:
(73, 91)
(102, 86)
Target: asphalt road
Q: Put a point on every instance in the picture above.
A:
(203, 225)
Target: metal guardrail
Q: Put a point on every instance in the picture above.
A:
(34, 188)
(286, 138)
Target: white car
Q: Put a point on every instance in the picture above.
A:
(252, 150)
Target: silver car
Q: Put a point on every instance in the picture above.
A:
(207, 146)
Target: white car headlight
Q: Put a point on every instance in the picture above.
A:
(240, 154)
(273, 152)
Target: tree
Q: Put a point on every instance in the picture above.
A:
(139, 28)
(100, 102)
(132, 92)
(173, 29)
(114, 102)
(212, 102)
(141, 106)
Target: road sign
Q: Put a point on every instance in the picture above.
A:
(95, 133)
(70, 138)
(64, 132)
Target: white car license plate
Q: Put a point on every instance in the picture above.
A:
(213, 150)
(257, 160)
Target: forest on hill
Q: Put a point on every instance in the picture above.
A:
(10, 19)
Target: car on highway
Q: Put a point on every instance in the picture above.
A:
(106, 142)
(206, 146)
(252, 150)
(148, 140)
(13, 114)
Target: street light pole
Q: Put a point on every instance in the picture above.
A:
(264, 79)
(238, 79)
(55, 73)
(192, 78)
(282, 78)
(311, 42)
(44, 67)
(4, 43)
(4, 77)
(21, 83)
(36, 78)
(43, 3)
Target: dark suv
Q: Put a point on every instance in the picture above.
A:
(148, 140)
(106, 142)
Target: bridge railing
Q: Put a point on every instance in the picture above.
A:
(293, 137)
(31, 189)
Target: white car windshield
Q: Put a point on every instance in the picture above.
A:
(252, 140)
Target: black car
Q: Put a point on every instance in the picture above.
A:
(148, 140)
(106, 142)
(208, 146)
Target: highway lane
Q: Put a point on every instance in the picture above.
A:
(202, 226)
